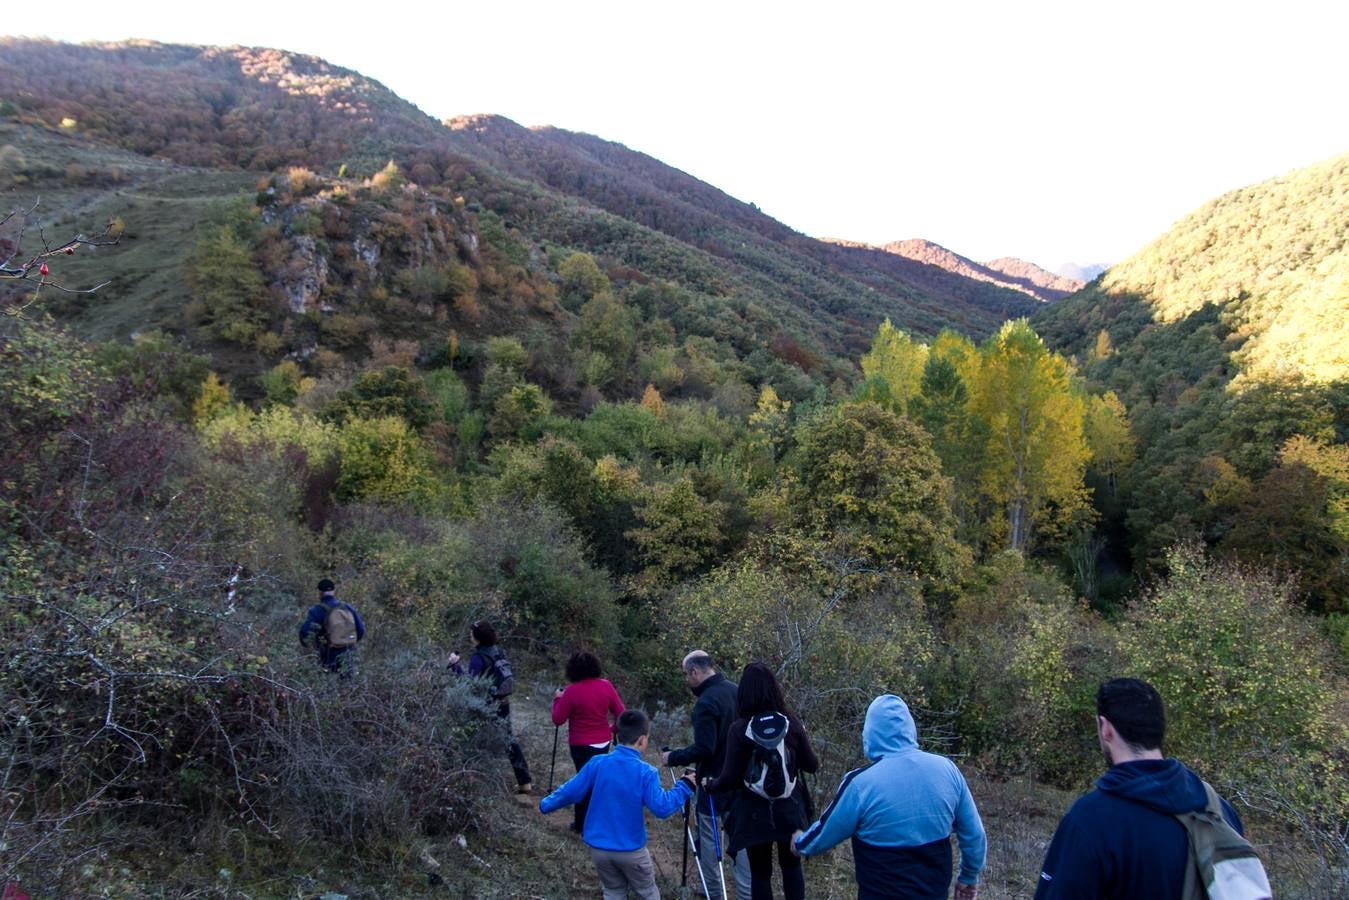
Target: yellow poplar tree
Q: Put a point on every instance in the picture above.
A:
(214, 398)
(1036, 450)
(770, 421)
(1112, 443)
(893, 368)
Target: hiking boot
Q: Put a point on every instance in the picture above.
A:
(526, 788)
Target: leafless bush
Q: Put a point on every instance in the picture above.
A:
(397, 751)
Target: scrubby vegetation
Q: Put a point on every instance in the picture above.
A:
(821, 536)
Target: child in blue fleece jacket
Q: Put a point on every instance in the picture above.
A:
(900, 811)
(619, 785)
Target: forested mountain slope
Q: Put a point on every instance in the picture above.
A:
(530, 194)
(1227, 339)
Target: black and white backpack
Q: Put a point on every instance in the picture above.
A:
(770, 772)
(497, 666)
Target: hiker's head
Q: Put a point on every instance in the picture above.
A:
(759, 692)
(1130, 719)
(583, 665)
(326, 586)
(697, 667)
(484, 635)
(633, 728)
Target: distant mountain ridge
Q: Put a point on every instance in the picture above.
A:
(1006, 272)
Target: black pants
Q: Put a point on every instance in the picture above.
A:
(513, 751)
(580, 755)
(761, 872)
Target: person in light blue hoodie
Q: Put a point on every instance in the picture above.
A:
(900, 811)
(618, 785)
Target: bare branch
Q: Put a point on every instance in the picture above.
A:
(34, 268)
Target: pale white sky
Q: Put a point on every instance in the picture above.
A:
(1053, 131)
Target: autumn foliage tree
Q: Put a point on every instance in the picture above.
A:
(869, 481)
(1036, 450)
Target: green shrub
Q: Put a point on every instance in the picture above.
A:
(384, 460)
(1249, 687)
(1022, 667)
(448, 394)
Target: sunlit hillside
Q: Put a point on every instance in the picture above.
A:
(1228, 341)
(1274, 257)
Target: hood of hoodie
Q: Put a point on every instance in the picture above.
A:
(1164, 785)
(889, 728)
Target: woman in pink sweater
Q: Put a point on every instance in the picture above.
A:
(586, 706)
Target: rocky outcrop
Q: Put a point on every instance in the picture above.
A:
(304, 276)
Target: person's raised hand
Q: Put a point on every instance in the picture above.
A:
(454, 659)
(966, 891)
(665, 757)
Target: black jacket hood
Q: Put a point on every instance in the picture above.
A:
(1164, 785)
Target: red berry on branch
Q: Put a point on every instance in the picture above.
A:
(43, 270)
(69, 251)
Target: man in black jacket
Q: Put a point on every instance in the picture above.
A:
(712, 717)
(1123, 839)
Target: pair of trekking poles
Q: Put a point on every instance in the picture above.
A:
(697, 844)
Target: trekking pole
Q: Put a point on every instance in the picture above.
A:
(684, 861)
(553, 768)
(716, 842)
(688, 832)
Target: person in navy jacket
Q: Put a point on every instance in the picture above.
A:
(619, 785)
(899, 812)
(334, 659)
(1123, 839)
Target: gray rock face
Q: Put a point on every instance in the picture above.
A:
(368, 251)
(305, 275)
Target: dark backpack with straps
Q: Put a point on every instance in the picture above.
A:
(496, 665)
(770, 772)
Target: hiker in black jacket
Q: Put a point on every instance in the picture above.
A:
(1123, 839)
(766, 817)
(712, 717)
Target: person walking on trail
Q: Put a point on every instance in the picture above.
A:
(900, 810)
(489, 661)
(333, 629)
(713, 714)
(766, 752)
(618, 785)
(585, 707)
(1131, 837)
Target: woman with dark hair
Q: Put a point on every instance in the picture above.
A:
(488, 661)
(766, 751)
(585, 706)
